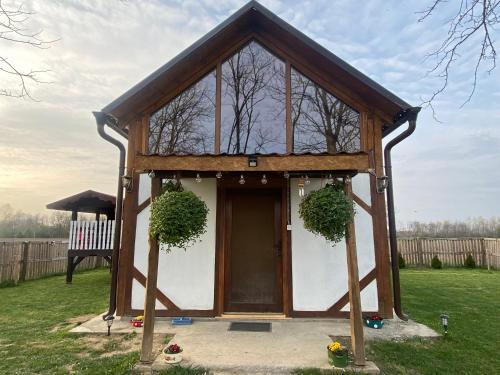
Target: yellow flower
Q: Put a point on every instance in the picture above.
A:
(334, 346)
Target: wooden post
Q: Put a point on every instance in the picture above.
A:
(24, 261)
(484, 256)
(150, 298)
(69, 270)
(355, 314)
(420, 252)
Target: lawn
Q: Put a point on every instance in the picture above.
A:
(472, 300)
(37, 315)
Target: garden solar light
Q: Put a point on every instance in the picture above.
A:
(109, 322)
(444, 322)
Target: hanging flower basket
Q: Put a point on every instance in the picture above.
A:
(178, 218)
(327, 212)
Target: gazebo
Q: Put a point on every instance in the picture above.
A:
(88, 237)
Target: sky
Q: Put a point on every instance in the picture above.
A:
(49, 148)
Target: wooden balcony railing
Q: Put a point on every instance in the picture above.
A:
(91, 235)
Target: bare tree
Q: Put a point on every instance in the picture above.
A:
(14, 30)
(247, 76)
(320, 121)
(186, 123)
(469, 29)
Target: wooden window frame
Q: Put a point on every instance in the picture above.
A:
(290, 63)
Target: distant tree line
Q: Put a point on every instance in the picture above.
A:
(17, 224)
(473, 227)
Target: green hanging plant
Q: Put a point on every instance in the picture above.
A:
(327, 212)
(178, 218)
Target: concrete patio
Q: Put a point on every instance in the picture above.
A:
(292, 343)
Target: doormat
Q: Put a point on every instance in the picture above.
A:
(250, 327)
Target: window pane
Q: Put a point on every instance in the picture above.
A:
(253, 102)
(320, 121)
(186, 124)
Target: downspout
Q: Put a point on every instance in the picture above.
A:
(409, 115)
(103, 119)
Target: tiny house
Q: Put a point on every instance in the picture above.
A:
(251, 118)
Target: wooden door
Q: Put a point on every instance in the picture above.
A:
(253, 266)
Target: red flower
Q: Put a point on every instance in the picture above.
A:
(174, 349)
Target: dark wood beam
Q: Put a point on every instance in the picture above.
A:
(147, 355)
(269, 163)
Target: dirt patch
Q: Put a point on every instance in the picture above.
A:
(73, 322)
(117, 344)
(80, 319)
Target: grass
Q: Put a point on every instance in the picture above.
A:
(37, 316)
(471, 298)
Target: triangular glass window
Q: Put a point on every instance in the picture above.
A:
(253, 102)
(186, 124)
(320, 121)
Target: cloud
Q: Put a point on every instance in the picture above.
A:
(50, 149)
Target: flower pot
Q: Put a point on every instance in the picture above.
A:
(172, 358)
(373, 323)
(339, 358)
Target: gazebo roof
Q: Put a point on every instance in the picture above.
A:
(88, 201)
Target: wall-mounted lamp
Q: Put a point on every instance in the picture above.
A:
(252, 161)
(286, 175)
(198, 178)
(382, 183)
(242, 180)
(264, 179)
(151, 174)
(218, 175)
(127, 183)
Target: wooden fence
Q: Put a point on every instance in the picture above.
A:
(451, 251)
(28, 260)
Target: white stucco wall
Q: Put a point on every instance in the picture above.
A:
(144, 188)
(186, 277)
(319, 269)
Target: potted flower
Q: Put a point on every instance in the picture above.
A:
(338, 355)
(137, 321)
(172, 353)
(374, 321)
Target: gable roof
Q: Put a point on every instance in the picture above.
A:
(251, 17)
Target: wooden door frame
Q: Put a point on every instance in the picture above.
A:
(276, 182)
